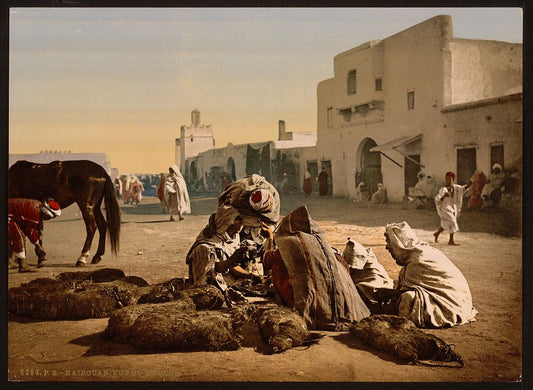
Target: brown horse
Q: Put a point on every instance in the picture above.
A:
(80, 181)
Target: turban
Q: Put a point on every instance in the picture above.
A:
(451, 174)
(498, 166)
(355, 254)
(401, 236)
(51, 208)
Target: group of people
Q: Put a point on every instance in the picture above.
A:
(239, 236)
(238, 243)
(322, 179)
(129, 188)
(484, 191)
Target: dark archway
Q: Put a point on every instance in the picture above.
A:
(368, 166)
(230, 168)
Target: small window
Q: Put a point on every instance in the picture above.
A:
(496, 155)
(352, 82)
(346, 113)
(330, 116)
(379, 84)
(410, 100)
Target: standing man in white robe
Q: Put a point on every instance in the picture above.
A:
(175, 195)
(448, 202)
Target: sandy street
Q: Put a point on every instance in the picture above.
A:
(154, 248)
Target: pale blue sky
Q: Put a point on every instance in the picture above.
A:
(123, 80)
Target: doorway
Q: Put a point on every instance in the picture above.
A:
(368, 170)
(466, 164)
(411, 170)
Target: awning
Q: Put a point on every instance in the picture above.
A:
(395, 145)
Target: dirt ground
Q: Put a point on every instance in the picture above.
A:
(154, 248)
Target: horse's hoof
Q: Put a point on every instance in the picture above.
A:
(80, 264)
(96, 260)
(42, 263)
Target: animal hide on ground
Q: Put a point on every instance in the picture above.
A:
(52, 299)
(282, 328)
(206, 297)
(172, 326)
(400, 337)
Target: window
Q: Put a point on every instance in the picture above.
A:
(411, 100)
(351, 85)
(496, 155)
(379, 84)
(346, 113)
(330, 116)
(466, 164)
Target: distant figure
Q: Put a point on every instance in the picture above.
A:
(25, 218)
(361, 193)
(137, 189)
(380, 196)
(323, 182)
(161, 186)
(126, 189)
(283, 186)
(478, 183)
(448, 202)
(175, 195)
(308, 184)
(495, 186)
(118, 188)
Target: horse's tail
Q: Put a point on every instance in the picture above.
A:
(112, 211)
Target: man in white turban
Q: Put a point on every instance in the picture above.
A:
(368, 275)
(432, 291)
(175, 195)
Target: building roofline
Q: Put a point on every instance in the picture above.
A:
(482, 103)
(366, 45)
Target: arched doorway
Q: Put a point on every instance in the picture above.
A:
(368, 166)
(230, 168)
(193, 173)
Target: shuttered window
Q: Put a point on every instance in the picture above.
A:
(379, 84)
(410, 100)
(351, 84)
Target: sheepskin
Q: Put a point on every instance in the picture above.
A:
(400, 337)
(172, 326)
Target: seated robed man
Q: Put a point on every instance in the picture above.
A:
(430, 290)
(227, 247)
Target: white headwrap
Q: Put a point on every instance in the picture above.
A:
(401, 236)
(355, 254)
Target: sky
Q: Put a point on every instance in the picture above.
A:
(124, 80)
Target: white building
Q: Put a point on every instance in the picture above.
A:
(194, 139)
(285, 157)
(419, 100)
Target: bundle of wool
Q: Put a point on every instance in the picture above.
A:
(173, 326)
(205, 297)
(121, 321)
(51, 299)
(400, 337)
(282, 328)
(98, 276)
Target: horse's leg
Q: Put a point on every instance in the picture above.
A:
(39, 251)
(90, 227)
(102, 229)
